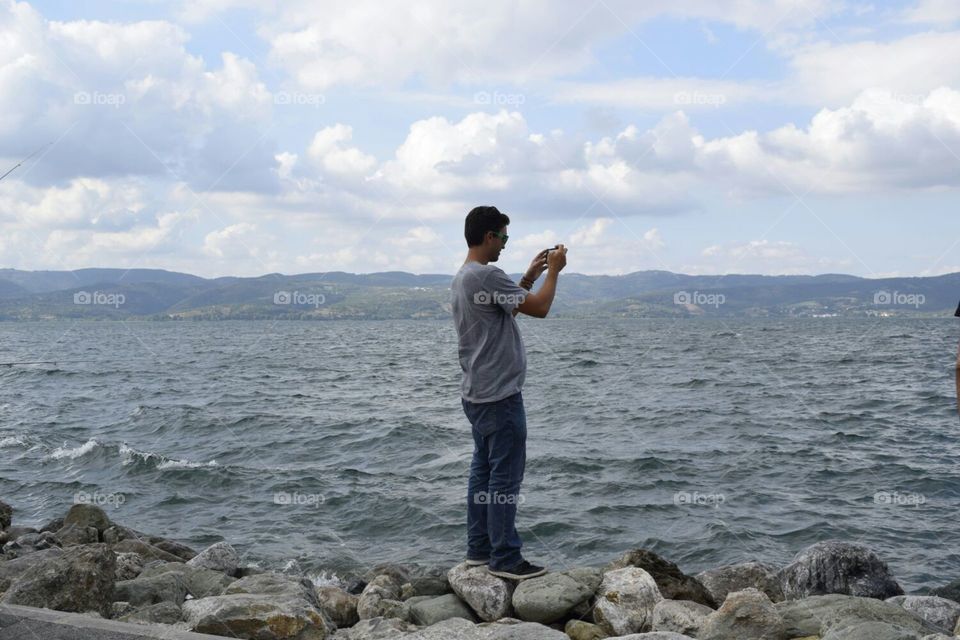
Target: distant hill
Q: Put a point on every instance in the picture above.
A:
(166, 295)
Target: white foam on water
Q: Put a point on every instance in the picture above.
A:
(65, 452)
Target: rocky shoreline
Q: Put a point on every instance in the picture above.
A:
(831, 590)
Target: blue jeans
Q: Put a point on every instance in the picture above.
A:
(496, 471)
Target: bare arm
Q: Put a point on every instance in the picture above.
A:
(538, 304)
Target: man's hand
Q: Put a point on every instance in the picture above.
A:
(537, 266)
(557, 259)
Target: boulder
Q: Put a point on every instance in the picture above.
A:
(162, 613)
(625, 601)
(680, 616)
(838, 567)
(736, 577)
(672, 583)
(28, 543)
(144, 591)
(871, 631)
(87, 515)
(182, 551)
(6, 515)
(11, 569)
(129, 565)
(429, 585)
(272, 583)
(257, 617)
(581, 630)
(339, 605)
(818, 614)
(218, 557)
(148, 551)
(745, 615)
(936, 610)
(78, 579)
(73, 534)
(949, 591)
(488, 595)
(376, 629)
(201, 583)
(381, 599)
(549, 598)
(504, 629)
(427, 610)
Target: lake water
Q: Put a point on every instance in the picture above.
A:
(332, 446)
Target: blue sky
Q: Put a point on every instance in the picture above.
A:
(223, 137)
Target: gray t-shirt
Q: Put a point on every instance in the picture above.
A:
(492, 355)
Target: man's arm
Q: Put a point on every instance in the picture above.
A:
(538, 304)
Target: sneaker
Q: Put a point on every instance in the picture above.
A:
(522, 571)
(477, 563)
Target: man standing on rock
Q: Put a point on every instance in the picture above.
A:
(494, 364)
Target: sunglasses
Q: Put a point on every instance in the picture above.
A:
(501, 235)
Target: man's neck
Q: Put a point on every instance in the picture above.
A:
(475, 257)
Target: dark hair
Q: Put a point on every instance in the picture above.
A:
(480, 220)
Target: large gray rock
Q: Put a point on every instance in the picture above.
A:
(736, 577)
(148, 551)
(659, 635)
(201, 583)
(87, 515)
(376, 629)
(272, 583)
(934, 609)
(838, 567)
(11, 569)
(429, 585)
(582, 630)
(428, 610)
(78, 579)
(744, 615)
(162, 612)
(220, 557)
(257, 617)
(549, 598)
(505, 629)
(680, 616)
(339, 605)
(141, 592)
(673, 583)
(28, 543)
(818, 614)
(381, 599)
(129, 565)
(6, 515)
(871, 631)
(74, 534)
(488, 595)
(182, 551)
(625, 601)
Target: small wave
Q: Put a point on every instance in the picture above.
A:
(133, 456)
(65, 452)
(12, 441)
(726, 334)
